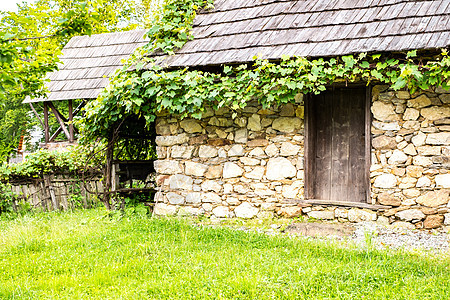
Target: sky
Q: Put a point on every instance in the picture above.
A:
(9, 5)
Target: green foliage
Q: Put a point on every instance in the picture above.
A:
(93, 254)
(48, 162)
(30, 42)
(187, 92)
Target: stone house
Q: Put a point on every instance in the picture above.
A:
(353, 153)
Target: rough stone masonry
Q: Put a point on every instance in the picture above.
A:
(252, 165)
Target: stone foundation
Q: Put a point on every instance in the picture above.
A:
(251, 164)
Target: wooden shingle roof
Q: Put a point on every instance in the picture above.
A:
(236, 31)
(87, 62)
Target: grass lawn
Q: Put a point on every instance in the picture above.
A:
(92, 255)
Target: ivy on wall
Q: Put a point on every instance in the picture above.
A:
(147, 91)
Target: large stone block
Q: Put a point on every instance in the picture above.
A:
(236, 150)
(435, 112)
(194, 197)
(169, 167)
(287, 124)
(241, 136)
(256, 173)
(181, 182)
(385, 181)
(280, 168)
(288, 149)
(170, 140)
(174, 198)
(207, 151)
(434, 198)
(222, 212)
(211, 185)
(410, 215)
(361, 215)
(419, 102)
(195, 169)
(246, 211)
(214, 172)
(231, 170)
(388, 199)
(254, 123)
(383, 143)
(191, 126)
(211, 198)
(398, 157)
(321, 214)
(383, 111)
(433, 221)
(181, 151)
(441, 138)
(443, 181)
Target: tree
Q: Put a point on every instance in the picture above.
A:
(32, 39)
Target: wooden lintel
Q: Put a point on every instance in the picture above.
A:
(60, 120)
(36, 114)
(339, 203)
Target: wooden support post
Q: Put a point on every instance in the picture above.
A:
(60, 120)
(75, 112)
(46, 128)
(71, 137)
(108, 174)
(37, 115)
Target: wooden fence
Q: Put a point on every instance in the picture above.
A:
(58, 192)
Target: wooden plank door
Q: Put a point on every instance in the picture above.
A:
(337, 150)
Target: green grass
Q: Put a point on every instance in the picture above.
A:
(90, 255)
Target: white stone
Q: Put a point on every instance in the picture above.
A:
(288, 149)
(170, 140)
(443, 181)
(241, 135)
(195, 169)
(383, 112)
(249, 161)
(222, 212)
(261, 189)
(195, 197)
(207, 207)
(411, 114)
(211, 198)
(423, 182)
(222, 153)
(180, 182)
(441, 138)
(341, 213)
(401, 225)
(231, 170)
(174, 198)
(419, 139)
(191, 126)
(410, 214)
(272, 150)
(361, 215)
(167, 167)
(321, 214)
(291, 191)
(398, 157)
(257, 152)
(181, 151)
(429, 150)
(280, 168)
(256, 173)
(410, 150)
(236, 150)
(227, 188)
(422, 161)
(447, 219)
(386, 126)
(245, 211)
(385, 181)
(206, 151)
(254, 123)
(211, 185)
(233, 201)
(162, 209)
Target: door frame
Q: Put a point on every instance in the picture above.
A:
(309, 146)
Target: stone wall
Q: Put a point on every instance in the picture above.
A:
(411, 155)
(251, 164)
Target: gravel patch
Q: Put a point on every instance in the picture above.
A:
(382, 237)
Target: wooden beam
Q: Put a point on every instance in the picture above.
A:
(36, 114)
(59, 119)
(46, 129)
(75, 112)
(71, 137)
(338, 203)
